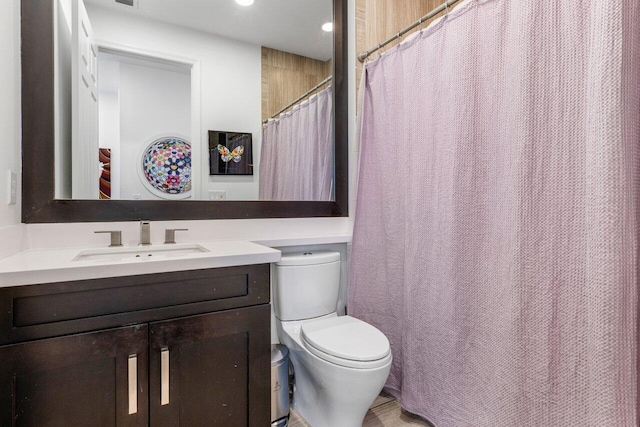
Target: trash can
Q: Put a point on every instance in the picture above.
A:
(279, 385)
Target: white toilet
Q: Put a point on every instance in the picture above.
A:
(341, 363)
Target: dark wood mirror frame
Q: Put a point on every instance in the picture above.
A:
(38, 193)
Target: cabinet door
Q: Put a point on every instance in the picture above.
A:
(79, 380)
(211, 370)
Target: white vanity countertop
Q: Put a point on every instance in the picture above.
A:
(35, 266)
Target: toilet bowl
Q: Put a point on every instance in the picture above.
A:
(341, 363)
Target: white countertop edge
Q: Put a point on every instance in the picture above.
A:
(91, 270)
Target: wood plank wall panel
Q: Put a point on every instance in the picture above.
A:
(377, 20)
(286, 76)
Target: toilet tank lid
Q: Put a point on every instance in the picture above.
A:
(308, 258)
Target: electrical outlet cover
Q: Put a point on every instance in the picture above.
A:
(217, 195)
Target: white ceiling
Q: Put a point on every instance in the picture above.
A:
(288, 25)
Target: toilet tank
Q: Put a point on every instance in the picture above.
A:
(306, 285)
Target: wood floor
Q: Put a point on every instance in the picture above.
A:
(385, 412)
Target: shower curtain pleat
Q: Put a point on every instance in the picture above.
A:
(296, 161)
(496, 236)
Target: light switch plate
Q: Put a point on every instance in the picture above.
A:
(12, 187)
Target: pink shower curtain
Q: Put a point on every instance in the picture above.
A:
(496, 232)
(296, 161)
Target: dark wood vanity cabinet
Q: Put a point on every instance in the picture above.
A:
(198, 355)
(75, 380)
(214, 373)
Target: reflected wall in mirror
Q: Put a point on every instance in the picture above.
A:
(127, 77)
(41, 94)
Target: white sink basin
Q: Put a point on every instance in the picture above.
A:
(142, 253)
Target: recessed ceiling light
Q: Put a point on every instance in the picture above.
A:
(244, 2)
(328, 27)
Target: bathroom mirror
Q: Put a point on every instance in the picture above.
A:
(43, 200)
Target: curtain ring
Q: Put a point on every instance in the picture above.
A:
(379, 51)
(446, 8)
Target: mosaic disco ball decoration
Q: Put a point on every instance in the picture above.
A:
(166, 164)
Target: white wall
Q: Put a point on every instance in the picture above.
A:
(109, 135)
(230, 82)
(63, 90)
(354, 145)
(153, 103)
(9, 106)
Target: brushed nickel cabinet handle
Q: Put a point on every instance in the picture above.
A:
(133, 384)
(164, 376)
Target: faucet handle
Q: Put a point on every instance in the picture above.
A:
(170, 234)
(116, 237)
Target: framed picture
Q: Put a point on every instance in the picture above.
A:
(230, 153)
(166, 167)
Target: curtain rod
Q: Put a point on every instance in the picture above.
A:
(316, 87)
(444, 6)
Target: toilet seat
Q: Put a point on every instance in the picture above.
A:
(346, 341)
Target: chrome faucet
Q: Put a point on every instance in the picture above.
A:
(145, 232)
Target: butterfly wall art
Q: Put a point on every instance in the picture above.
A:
(230, 153)
(227, 156)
